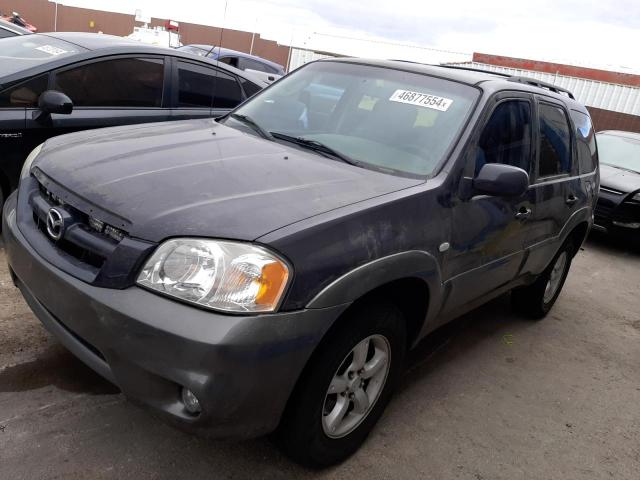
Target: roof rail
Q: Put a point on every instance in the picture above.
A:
(541, 84)
(472, 69)
(517, 79)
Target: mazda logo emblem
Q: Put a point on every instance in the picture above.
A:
(55, 224)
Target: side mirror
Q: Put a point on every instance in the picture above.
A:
(53, 101)
(501, 180)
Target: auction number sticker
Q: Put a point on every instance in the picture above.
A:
(54, 51)
(421, 100)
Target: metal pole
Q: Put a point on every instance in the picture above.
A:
(253, 36)
(55, 19)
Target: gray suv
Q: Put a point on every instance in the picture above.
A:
(269, 270)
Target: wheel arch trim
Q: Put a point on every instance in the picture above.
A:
(367, 277)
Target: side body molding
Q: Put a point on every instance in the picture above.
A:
(367, 277)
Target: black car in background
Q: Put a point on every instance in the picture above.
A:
(8, 29)
(618, 209)
(56, 83)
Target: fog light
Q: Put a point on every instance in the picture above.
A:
(190, 401)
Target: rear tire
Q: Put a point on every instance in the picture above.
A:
(536, 300)
(345, 388)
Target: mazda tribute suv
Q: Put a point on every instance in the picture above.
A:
(268, 271)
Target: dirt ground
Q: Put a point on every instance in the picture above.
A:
(492, 396)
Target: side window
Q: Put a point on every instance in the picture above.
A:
(122, 82)
(233, 61)
(195, 85)
(6, 33)
(506, 137)
(586, 141)
(203, 87)
(250, 88)
(228, 93)
(251, 64)
(555, 141)
(25, 94)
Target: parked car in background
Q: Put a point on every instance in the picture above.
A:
(618, 209)
(266, 69)
(271, 269)
(51, 84)
(8, 29)
(16, 20)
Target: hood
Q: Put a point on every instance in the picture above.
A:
(618, 179)
(201, 178)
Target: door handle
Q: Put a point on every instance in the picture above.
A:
(523, 213)
(571, 199)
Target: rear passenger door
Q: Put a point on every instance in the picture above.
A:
(119, 90)
(201, 91)
(556, 191)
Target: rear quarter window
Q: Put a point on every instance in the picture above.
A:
(554, 141)
(586, 142)
(25, 94)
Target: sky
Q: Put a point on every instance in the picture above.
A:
(604, 34)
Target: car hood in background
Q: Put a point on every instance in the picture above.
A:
(618, 179)
(200, 178)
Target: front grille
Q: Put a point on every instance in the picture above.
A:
(85, 238)
(70, 248)
(92, 244)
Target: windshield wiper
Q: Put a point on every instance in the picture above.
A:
(247, 120)
(314, 145)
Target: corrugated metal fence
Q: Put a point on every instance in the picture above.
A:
(592, 93)
(301, 56)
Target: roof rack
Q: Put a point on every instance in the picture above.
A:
(511, 78)
(517, 79)
(541, 84)
(473, 69)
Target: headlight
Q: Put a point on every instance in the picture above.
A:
(636, 197)
(26, 168)
(229, 276)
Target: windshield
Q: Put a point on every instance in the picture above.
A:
(622, 152)
(26, 51)
(378, 117)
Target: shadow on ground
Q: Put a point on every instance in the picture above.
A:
(58, 367)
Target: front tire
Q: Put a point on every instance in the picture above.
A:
(345, 388)
(536, 300)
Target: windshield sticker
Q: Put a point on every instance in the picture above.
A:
(421, 100)
(53, 51)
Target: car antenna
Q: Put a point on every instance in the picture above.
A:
(215, 83)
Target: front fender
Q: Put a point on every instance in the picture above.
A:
(365, 278)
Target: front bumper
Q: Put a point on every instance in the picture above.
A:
(617, 214)
(242, 369)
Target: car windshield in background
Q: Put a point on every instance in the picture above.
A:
(382, 118)
(26, 51)
(621, 152)
(194, 50)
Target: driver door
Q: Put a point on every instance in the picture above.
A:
(489, 232)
